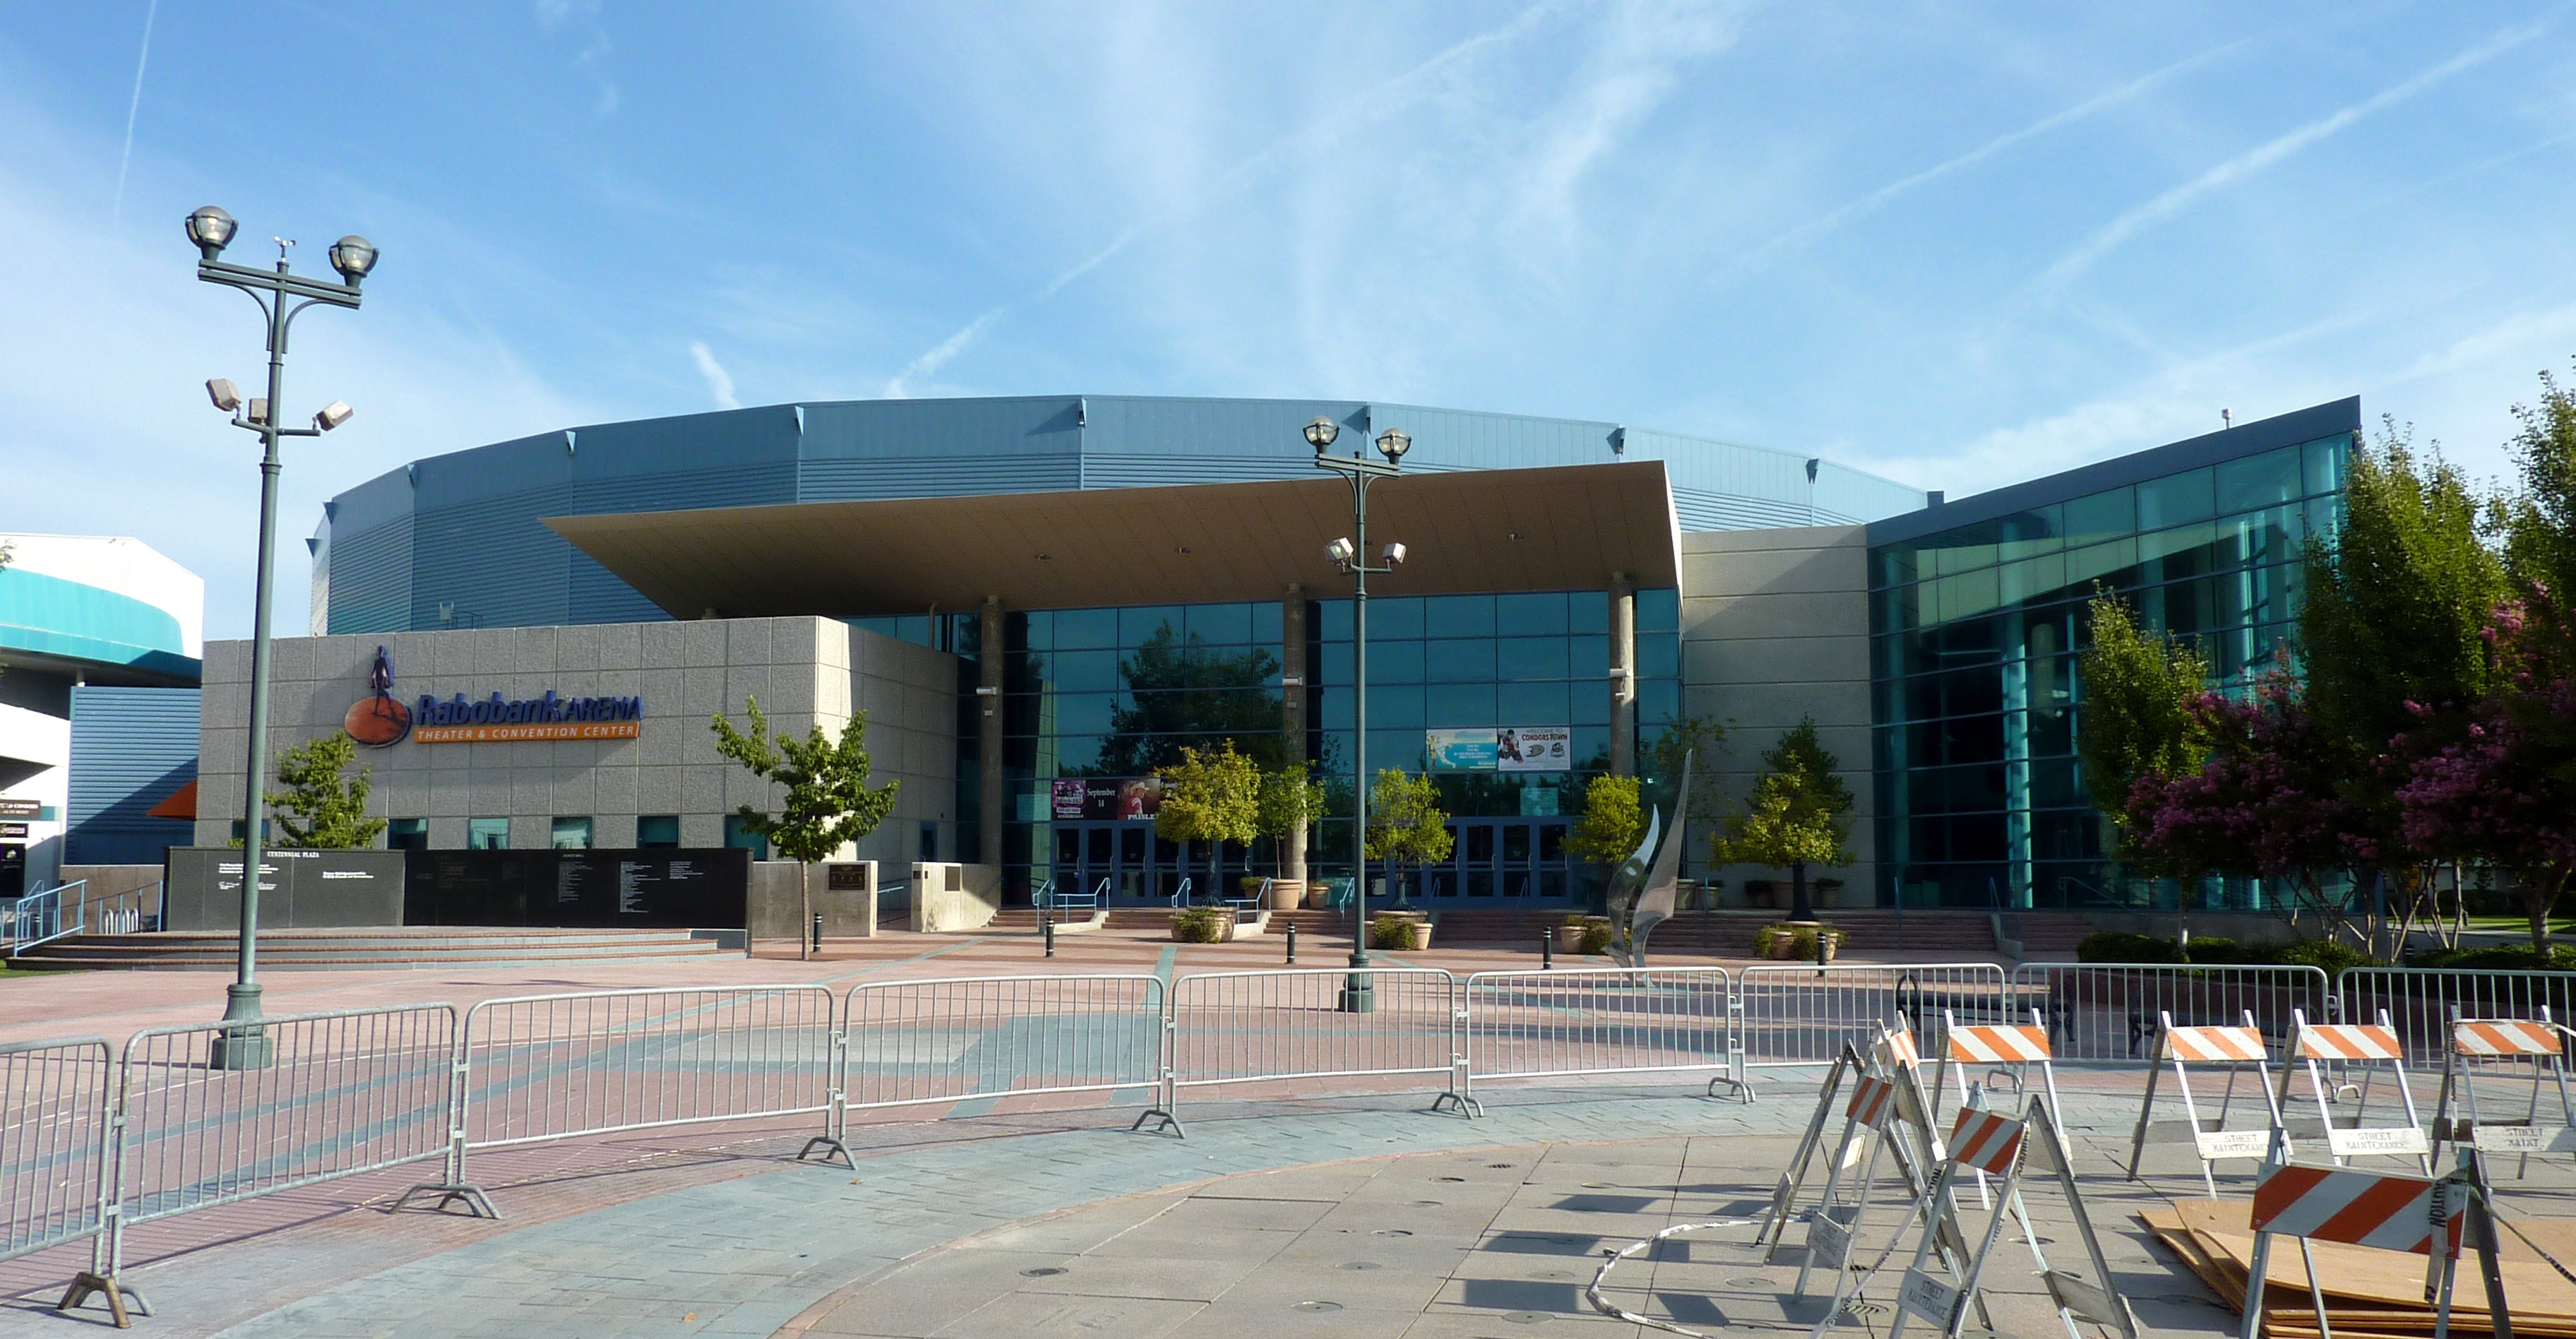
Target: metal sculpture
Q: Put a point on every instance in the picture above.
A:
(1642, 892)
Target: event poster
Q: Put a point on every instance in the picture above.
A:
(1514, 748)
(1534, 748)
(1461, 750)
(1101, 798)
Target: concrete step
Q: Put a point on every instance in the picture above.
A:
(369, 947)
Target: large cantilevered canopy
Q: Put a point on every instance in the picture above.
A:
(1560, 528)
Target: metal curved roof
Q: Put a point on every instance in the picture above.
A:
(460, 539)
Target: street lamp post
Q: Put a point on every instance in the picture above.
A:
(282, 297)
(1351, 555)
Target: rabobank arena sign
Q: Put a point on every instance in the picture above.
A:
(494, 719)
(381, 720)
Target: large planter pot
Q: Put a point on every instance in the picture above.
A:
(1319, 895)
(1828, 892)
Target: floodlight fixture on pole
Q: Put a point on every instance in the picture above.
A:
(243, 1043)
(1350, 554)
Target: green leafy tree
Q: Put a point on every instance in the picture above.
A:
(2389, 635)
(2139, 688)
(828, 802)
(1180, 694)
(1212, 797)
(323, 808)
(1290, 803)
(1405, 823)
(1794, 816)
(2540, 523)
(1683, 739)
(1613, 821)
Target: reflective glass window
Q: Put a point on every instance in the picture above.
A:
(1220, 624)
(2323, 461)
(2177, 499)
(1086, 628)
(2100, 516)
(1458, 616)
(1659, 609)
(1533, 704)
(2260, 481)
(1137, 625)
(1458, 705)
(1464, 660)
(1529, 616)
(1394, 661)
(1533, 657)
(1395, 616)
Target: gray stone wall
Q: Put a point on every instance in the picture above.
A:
(805, 671)
(1775, 625)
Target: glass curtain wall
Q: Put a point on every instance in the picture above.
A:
(1111, 694)
(1977, 631)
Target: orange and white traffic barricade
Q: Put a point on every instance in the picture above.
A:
(1784, 1197)
(2180, 1049)
(2372, 1047)
(1888, 1107)
(2420, 1215)
(2009, 1051)
(2536, 1046)
(2007, 1148)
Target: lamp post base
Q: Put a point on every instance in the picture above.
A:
(244, 1043)
(1359, 989)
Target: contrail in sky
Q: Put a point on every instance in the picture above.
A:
(116, 214)
(2119, 230)
(1370, 106)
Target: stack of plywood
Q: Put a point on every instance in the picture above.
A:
(2372, 1294)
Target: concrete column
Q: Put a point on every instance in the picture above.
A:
(988, 694)
(1623, 675)
(1292, 713)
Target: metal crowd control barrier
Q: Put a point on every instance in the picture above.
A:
(2100, 1013)
(534, 1068)
(912, 1043)
(2420, 1000)
(342, 1093)
(1791, 1015)
(1288, 1024)
(1601, 1020)
(53, 1142)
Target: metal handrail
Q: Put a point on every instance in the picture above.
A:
(40, 918)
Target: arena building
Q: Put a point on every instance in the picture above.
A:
(1039, 600)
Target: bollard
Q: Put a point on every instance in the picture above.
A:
(1547, 949)
(1047, 928)
(818, 932)
(1292, 943)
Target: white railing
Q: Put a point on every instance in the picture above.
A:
(2110, 1012)
(54, 1146)
(1295, 1025)
(1798, 1016)
(1601, 1020)
(918, 1043)
(189, 1118)
(537, 1068)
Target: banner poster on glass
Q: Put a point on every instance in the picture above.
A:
(1105, 798)
(1534, 748)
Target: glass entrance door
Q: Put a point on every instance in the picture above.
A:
(1520, 859)
(1140, 867)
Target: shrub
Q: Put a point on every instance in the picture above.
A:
(2124, 946)
(1585, 934)
(1802, 940)
(2333, 957)
(2513, 958)
(1201, 925)
(1393, 933)
(2220, 951)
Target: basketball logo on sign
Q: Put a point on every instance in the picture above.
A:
(377, 720)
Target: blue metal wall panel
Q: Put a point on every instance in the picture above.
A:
(131, 748)
(474, 543)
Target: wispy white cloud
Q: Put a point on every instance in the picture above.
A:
(1297, 148)
(2115, 234)
(719, 381)
(1808, 233)
(133, 108)
(1631, 70)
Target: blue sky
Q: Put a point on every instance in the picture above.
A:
(1958, 244)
